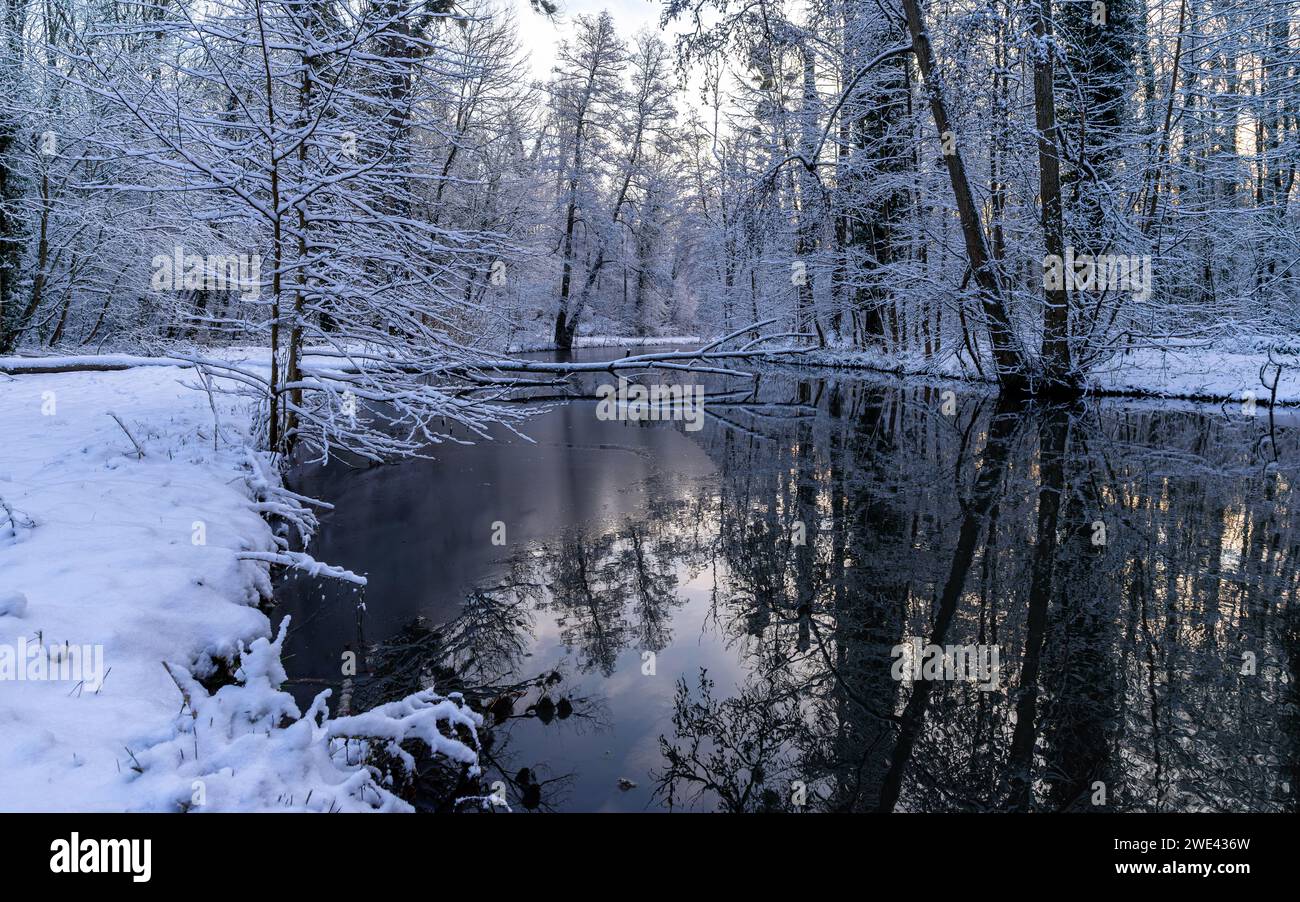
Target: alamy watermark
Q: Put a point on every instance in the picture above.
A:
(636, 402)
(35, 662)
(968, 663)
(215, 272)
(1100, 272)
(75, 855)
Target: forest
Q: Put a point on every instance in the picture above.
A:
(913, 324)
(1026, 192)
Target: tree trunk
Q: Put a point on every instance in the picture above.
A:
(1011, 365)
(1057, 365)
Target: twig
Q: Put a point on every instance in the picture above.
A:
(194, 713)
(138, 450)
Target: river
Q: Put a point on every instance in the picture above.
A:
(729, 618)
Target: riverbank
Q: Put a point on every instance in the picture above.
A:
(1232, 372)
(132, 527)
(137, 666)
(1190, 373)
(534, 345)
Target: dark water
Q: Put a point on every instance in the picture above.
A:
(1134, 567)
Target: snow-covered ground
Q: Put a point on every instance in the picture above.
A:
(122, 582)
(1202, 373)
(1193, 372)
(540, 343)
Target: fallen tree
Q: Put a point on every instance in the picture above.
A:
(409, 401)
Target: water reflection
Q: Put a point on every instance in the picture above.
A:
(719, 612)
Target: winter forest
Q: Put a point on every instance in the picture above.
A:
(976, 321)
(865, 175)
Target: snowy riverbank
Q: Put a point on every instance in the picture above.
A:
(134, 568)
(1193, 372)
(531, 345)
(119, 552)
(1225, 371)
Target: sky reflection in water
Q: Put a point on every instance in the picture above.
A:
(1121, 660)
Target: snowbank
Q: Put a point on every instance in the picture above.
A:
(1193, 372)
(133, 557)
(525, 346)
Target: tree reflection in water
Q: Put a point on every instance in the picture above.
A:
(1134, 567)
(476, 654)
(1129, 565)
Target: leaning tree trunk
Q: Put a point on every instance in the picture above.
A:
(1011, 364)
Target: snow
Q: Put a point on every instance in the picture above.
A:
(135, 533)
(1220, 372)
(233, 754)
(13, 604)
(1212, 374)
(45, 363)
(159, 561)
(300, 561)
(605, 341)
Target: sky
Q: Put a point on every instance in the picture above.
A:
(540, 37)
